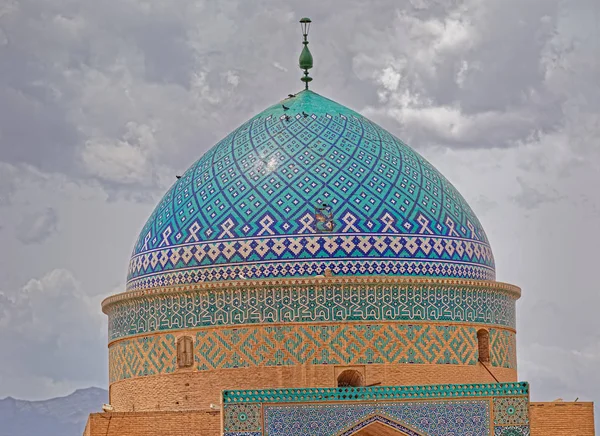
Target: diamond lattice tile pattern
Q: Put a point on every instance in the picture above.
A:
(303, 187)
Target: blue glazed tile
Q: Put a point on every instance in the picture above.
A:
(292, 192)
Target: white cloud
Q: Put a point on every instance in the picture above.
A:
(37, 227)
(48, 326)
(280, 67)
(232, 78)
(122, 161)
(119, 161)
(390, 78)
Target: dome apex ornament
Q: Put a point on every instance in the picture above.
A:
(306, 59)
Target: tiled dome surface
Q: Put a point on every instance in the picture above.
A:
(253, 206)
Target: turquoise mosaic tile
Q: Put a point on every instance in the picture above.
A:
(304, 304)
(293, 191)
(376, 393)
(441, 410)
(464, 418)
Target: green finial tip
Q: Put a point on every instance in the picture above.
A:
(306, 59)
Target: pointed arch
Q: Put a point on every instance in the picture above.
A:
(350, 378)
(380, 425)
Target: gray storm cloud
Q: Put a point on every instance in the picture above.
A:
(103, 103)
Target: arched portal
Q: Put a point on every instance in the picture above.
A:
(379, 429)
(350, 378)
(377, 425)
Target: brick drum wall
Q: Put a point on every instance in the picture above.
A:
(199, 423)
(347, 343)
(145, 376)
(561, 419)
(186, 390)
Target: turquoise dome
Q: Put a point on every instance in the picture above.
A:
(307, 185)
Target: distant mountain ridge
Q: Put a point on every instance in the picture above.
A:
(61, 416)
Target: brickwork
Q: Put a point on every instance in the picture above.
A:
(299, 344)
(449, 409)
(562, 419)
(197, 423)
(187, 390)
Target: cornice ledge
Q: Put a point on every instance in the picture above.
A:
(512, 290)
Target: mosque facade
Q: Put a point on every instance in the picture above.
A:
(312, 274)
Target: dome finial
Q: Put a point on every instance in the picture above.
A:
(306, 59)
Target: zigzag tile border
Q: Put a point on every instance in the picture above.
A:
(302, 269)
(311, 344)
(296, 255)
(258, 303)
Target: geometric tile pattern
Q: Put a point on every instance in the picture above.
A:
(242, 418)
(513, 430)
(457, 417)
(503, 348)
(511, 411)
(244, 433)
(313, 344)
(286, 255)
(303, 268)
(251, 205)
(371, 393)
(143, 356)
(449, 410)
(259, 304)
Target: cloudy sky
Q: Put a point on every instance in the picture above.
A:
(102, 103)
